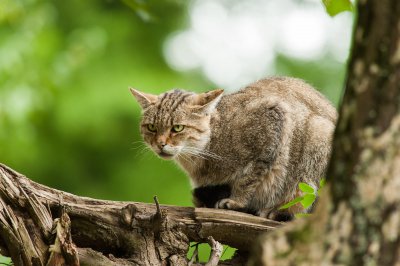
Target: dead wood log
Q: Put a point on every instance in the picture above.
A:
(44, 226)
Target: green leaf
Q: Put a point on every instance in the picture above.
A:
(301, 215)
(291, 203)
(308, 200)
(322, 183)
(334, 7)
(306, 188)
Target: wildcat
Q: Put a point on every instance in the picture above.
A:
(247, 150)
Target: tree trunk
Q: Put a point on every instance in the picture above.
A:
(98, 232)
(357, 221)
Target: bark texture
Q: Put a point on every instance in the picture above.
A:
(44, 226)
(357, 221)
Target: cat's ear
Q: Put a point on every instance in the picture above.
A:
(144, 99)
(207, 101)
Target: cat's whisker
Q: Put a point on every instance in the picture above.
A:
(190, 152)
(138, 144)
(202, 153)
(185, 154)
(143, 150)
(186, 158)
(205, 152)
(138, 147)
(194, 154)
(212, 155)
(137, 141)
(181, 156)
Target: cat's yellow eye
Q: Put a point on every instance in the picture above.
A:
(151, 127)
(178, 128)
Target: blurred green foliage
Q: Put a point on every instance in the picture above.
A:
(67, 118)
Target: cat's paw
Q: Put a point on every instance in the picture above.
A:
(280, 216)
(263, 213)
(229, 204)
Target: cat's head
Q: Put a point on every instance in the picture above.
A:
(177, 122)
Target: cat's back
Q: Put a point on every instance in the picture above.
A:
(294, 93)
(271, 110)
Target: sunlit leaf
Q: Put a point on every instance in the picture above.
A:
(301, 215)
(306, 188)
(204, 251)
(291, 203)
(308, 200)
(5, 261)
(322, 183)
(334, 7)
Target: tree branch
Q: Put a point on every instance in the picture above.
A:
(34, 217)
(216, 252)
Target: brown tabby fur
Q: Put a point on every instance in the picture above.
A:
(261, 141)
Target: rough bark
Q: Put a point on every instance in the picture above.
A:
(44, 226)
(357, 221)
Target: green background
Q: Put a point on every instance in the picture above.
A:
(67, 118)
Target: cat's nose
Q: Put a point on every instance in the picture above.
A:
(161, 144)
(161, 141)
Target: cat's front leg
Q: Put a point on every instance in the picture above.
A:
(208, 196)
(242, 192)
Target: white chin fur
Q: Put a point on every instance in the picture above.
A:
(171, 150)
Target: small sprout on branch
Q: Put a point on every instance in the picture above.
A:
(309, 197)
(158, 207)
(216, 252)
(158, 217)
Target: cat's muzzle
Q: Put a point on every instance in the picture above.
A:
(167, 152)
(165, 155)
